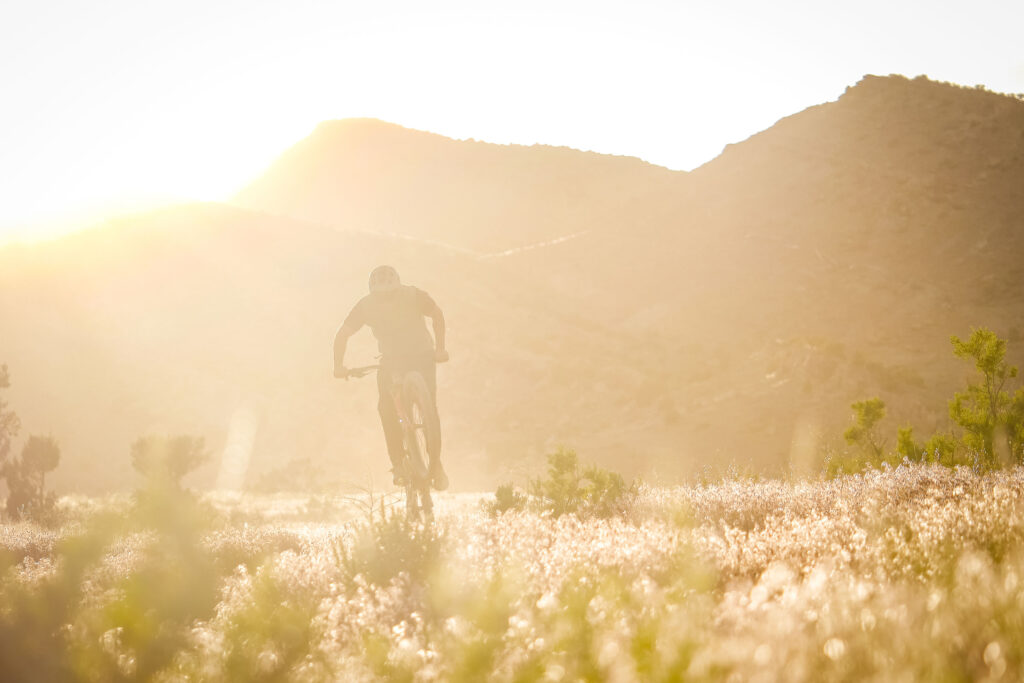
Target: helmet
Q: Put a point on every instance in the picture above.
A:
(384, 279)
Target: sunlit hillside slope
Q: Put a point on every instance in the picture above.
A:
(659, 320)
(196, 318)
(825, 259)
(368, 174)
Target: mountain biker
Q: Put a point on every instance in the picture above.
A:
(395, 313)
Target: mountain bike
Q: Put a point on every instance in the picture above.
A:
(421, 432)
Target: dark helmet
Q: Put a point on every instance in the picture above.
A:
(384, 279)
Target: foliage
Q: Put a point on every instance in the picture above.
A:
(389, 544)
(26, 476)
(9, 423)
(908, 573)
(572, 489)
(274, 631)
(165, 460)
(940, 448)
(506, 498)
(298, 474)
(26, 479)
(944, 449)
(992, 418)
(906, 447)
(118, 606)
(862, 433)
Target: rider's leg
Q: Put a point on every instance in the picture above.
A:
(392, 427)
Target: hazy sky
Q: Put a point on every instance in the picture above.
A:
(109, 103)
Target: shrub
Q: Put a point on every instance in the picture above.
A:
(944, 449)
(9, 424)
(26, 476)
(165, 460)
(26, 479)
(569, 488)
(390, 544)
(506, 498)
(862, 433)
(298, 474)
(907, 448)
(992, 418)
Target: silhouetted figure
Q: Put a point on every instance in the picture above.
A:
(395, 313)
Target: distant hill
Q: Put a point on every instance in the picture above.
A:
(826, 259)
(659, 321)
(370, 175)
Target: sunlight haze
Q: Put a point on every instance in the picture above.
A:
(130, 104)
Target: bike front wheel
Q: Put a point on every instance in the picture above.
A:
(423, 442)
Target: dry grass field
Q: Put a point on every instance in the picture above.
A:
(911, 573)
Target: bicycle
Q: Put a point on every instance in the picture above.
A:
(421, 431)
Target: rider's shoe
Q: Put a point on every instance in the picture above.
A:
(438, 479)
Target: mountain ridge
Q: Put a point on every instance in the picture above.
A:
(691, 318)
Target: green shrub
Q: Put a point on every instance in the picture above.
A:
(26, 480)
(907, 448)
(572, 489)
(862, 433)
(992, 418)
(389, 544)
(9, 423)
(944, 449)
(279, 619)
(506, 498)
(165, 460)
(298, 474)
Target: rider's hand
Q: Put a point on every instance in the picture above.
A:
(441, 355)
(341, 372)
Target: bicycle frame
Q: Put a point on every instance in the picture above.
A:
(394, 389)
(416, 486)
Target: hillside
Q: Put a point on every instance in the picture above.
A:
(827, 259)
(370, 175)
(660, 322)
(202, 317)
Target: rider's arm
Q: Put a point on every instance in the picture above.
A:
(430, 309)
(340, 343)
(437, 318)
(352, 324)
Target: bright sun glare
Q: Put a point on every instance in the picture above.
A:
(136, 104)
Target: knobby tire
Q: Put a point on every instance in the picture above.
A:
(422, 440)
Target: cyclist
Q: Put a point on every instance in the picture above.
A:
(395, 313)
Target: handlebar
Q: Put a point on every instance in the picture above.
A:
(367, 369)
(363, 371)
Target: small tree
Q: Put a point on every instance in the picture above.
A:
(26, 477)
(945, 450)
(165, 460)
(9, 424)
(570, 488)
(906, 447)
(986, 409)
(862, 433)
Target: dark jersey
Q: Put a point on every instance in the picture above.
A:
(396, 319)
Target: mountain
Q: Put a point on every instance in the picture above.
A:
(370, 175)
(657, 321)
(822, 260)
(828, 259)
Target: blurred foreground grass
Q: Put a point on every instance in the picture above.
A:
(913, 573)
